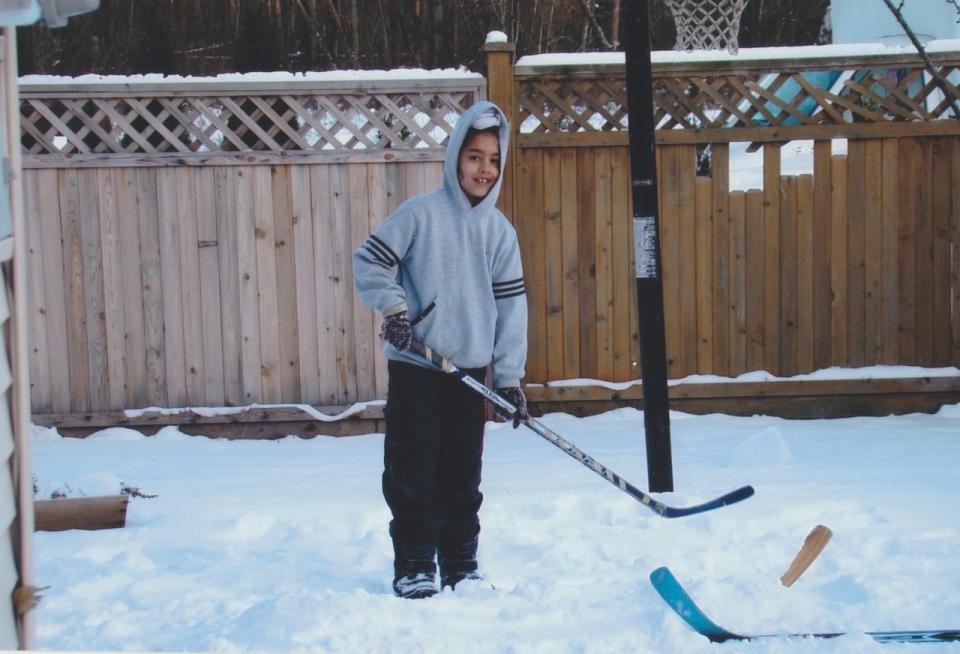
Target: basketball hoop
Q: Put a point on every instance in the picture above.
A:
(707, 24)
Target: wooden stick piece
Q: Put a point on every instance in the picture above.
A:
(814, 543)
(107, 512)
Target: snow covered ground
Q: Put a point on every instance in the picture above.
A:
(276, 546)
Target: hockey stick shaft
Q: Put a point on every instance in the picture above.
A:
(438, 361)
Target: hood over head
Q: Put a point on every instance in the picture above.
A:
(482, 115)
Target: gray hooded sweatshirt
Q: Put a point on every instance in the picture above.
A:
(437, 248)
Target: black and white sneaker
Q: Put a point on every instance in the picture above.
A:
(415, 586)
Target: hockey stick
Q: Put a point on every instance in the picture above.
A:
(440, 363)
(813, 544)
(683, 605)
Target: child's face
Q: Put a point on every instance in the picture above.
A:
(479, 164)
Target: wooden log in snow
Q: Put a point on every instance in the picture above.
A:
(107, 512)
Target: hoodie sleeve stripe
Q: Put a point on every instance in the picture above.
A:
(384, 249)
(511, 288)
(377, 256)
(506, 295)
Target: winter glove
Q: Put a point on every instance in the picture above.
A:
(514, 395)
(396, 330)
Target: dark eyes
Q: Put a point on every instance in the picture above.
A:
(475, 157)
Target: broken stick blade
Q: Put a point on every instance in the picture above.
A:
(813, 544)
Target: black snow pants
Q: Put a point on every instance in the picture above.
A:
(432, 456)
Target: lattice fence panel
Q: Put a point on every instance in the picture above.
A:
(746, 99)
(185, 125)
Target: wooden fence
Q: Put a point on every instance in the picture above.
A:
(853, 264)
(190, 244)
(848, 266)
(171, 268)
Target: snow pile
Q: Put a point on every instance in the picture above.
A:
(275, 546)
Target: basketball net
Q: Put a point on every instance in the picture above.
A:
(707, 24)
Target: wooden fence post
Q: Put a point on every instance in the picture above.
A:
(501, 91)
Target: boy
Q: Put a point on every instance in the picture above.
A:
(450, 261)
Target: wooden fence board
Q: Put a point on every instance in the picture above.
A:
(890, 315)
(755, 268)
(737, 296)
(191, 302)
(109, 222)
(688, 258)
(821, 261)
(266, 261)
(228, 252)
(955, 272)
(306, 278)
(788, 276)
(707, 273)
(909, 175)
(924, 261)
(208, 253)
(624, 296)
(586, 257)
(432, 175)
(326, 284)
(873, 252)
(838, 260)
(151, 272)
(94, 309)
(771, 257)
(173, 337)
(806, 274)
(720, 268)
(941, 182)
(39, 365)
(530, 206)
(359, 228)
(670, 256)
(856, 252)
(530, 230)
(414, 180)
(134, 336)
(343, 286)
(553, 274)
(247, 273)
(52, 241)
(284, 251)
(603, 225)
(570, 263)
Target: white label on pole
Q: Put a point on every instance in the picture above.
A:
(645, 247)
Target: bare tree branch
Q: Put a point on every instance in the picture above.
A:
(942, 83)
(615, 25)
(584, 4)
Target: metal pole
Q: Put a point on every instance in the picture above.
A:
(643, 175)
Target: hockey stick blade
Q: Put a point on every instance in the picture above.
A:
(734, 496)
(683, 605)
(437, 361)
